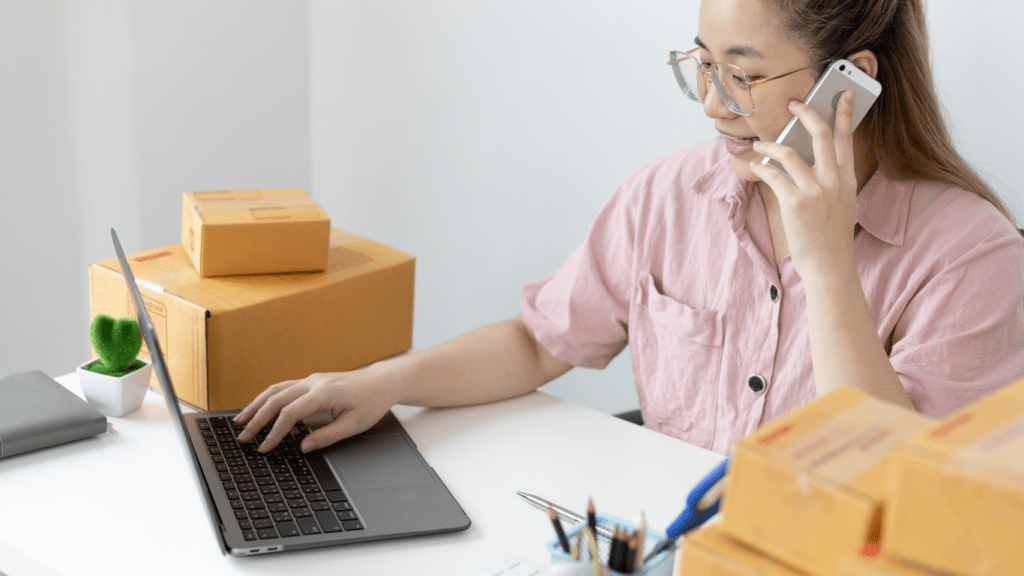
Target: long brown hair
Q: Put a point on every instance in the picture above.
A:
(905, 128)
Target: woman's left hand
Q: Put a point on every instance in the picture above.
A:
(818, 206)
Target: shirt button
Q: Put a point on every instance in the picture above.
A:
(756, 383)
(774, 293)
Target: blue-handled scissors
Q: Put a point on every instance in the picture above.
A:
(701, 504)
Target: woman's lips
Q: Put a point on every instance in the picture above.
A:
(739, 146)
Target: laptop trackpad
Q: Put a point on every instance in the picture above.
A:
(377, 461)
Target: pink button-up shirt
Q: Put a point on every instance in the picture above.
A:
(679, 265)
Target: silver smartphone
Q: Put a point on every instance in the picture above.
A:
(840, 77)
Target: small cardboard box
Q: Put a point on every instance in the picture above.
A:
(254, 232)
(708, 551)
(808, 487)
(226, 339)
(956, 491)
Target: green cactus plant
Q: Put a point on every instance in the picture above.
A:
(117, 342)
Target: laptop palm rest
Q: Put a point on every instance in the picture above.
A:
(392, 485)
(377, 461)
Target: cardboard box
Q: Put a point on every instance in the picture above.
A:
(227, 339)
(957, 490)
(808, 487)
(708, 551)
(254, 232)
(880, 566)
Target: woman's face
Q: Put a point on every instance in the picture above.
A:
(742, 33)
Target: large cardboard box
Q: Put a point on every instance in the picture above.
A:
(254, 232)
(227, 339)
(956, 491)
(880, 566)
(708, 551)
(807, 487)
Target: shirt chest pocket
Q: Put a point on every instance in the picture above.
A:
(677, 356)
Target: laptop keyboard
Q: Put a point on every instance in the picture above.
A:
(282, 493)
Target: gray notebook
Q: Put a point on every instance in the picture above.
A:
(37, 412)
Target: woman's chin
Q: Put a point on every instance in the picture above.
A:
(741, 164)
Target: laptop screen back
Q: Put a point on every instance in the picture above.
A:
(156, 356)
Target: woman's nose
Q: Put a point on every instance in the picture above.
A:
(714, 106)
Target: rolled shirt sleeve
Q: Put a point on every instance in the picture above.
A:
(580, 314)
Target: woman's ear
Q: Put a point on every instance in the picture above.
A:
(866, 61)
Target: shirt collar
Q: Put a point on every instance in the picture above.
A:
(717, 179)
(883, 206)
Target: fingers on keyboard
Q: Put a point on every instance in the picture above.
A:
(280, 494)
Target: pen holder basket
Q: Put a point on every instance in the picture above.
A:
(660, 565)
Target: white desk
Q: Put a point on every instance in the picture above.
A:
(124, 502)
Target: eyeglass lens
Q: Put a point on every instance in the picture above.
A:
(729, 80)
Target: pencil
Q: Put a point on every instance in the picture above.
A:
(558, 530)
(592, 516)
(615, 551)
(641, 541)
(631, 556)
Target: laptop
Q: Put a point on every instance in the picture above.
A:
(372, 486)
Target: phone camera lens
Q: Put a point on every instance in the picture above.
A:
(842, 67)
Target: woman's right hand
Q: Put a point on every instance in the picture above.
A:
(357, 400)
(494, 362)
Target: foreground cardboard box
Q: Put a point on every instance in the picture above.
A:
(708, 551)
(957, 490)
(227, 339)
(254, 232)
(807, 488)
(880, 566)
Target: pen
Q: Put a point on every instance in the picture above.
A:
(558, 530)
(563, 513)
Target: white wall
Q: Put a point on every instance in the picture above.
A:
(481, 137)
(109, 110)
(222, 100)
(973, 48)
(41, 284)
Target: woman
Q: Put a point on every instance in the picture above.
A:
(889, 266)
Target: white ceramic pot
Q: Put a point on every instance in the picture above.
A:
(115, 396)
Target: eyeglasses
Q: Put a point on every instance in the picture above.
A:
(732, 82)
